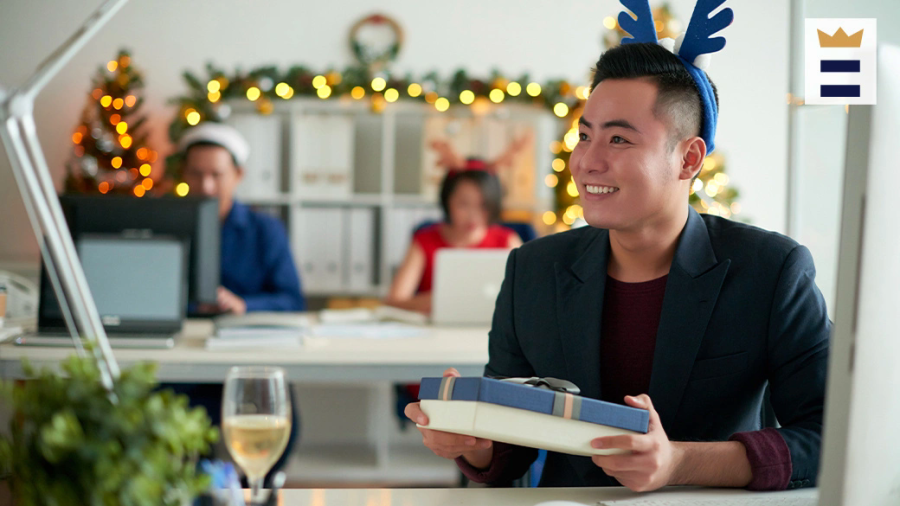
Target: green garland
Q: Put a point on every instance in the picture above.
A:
(201, 104)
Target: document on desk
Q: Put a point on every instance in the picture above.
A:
(737, 500)
(374, 330)
(255, 342)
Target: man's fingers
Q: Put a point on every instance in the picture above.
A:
(617, 463)
(640, 443)
(643, 401)
(415, 413)
(451, 373)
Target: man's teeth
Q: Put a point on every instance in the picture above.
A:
(601, 189)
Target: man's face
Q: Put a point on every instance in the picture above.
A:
(626, 175)
(210, 172)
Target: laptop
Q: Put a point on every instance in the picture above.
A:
(466, 285)
(139, 286)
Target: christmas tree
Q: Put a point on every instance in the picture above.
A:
(710, 192)
(111, 153)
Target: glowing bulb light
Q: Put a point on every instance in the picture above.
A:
(549, 218)
(497, 96)
(442, 104)
(358, 92)
(324, 92)
(467, 97)
(213, 86)
(379, 84)
(391, 95)
(561, 110)
(514, 89)
(182, 189)
(318, 82)
(533, 89)
(253, 93)
(414, 90)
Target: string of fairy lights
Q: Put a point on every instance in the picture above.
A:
(110, 153)
(110, 157)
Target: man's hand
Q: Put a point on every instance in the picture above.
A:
(229, 302)
(653, 461)
(477, 452)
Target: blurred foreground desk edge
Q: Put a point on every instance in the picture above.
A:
(527, 497)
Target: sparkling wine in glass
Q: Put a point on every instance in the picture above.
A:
(256, 420)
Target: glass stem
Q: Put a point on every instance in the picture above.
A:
(255, 488)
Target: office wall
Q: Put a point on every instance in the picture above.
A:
(545, 37)
(820, 145)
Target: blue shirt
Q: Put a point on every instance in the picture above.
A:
(256, 262)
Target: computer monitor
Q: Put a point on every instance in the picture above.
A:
(138, 284)
(861, 439)
(191, 219)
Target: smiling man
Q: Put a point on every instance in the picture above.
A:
(658, 307)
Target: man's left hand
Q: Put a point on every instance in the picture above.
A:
(229, 302)
(653, 460)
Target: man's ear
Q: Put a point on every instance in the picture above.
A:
(692, 159)
(240, 172)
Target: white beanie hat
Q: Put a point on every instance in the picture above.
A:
(217, 133)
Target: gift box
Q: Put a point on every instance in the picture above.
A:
(540, 413)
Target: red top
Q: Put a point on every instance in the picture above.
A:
(431, 240)
(631, 314)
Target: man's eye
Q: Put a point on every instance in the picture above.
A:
(618, 140)
(582, 136)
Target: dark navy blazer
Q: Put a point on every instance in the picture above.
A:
(741, 310)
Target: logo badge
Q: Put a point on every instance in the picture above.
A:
(840, 61)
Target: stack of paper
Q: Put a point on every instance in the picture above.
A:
(259, 330)
(379, 314)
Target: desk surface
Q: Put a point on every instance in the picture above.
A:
(528, 497)
(320, 360)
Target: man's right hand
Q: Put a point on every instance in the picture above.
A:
(477, 452)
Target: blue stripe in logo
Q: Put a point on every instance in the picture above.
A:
(840, 90)
(839, 66)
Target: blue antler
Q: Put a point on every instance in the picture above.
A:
(642, 29)
(697, 38)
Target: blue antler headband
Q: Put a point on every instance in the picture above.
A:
(693, 48)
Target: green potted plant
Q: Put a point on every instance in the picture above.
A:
(71, 442)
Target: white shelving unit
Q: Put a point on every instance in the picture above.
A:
(326, 165)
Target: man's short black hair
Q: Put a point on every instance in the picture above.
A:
(486, 181)
(209, 144)
(678, 99)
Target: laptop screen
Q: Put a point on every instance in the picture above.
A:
(137, 284)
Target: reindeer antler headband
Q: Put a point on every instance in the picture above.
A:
(692, 47)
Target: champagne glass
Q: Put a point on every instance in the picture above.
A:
(256, 420)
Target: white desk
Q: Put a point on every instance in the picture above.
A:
(344, 389)
(320, 361)
(528, 497)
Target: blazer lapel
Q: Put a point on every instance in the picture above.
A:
(579, 297)
(692, 289)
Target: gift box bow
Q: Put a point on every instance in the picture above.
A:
(566, 402)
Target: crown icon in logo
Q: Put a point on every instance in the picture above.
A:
(840, 39)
